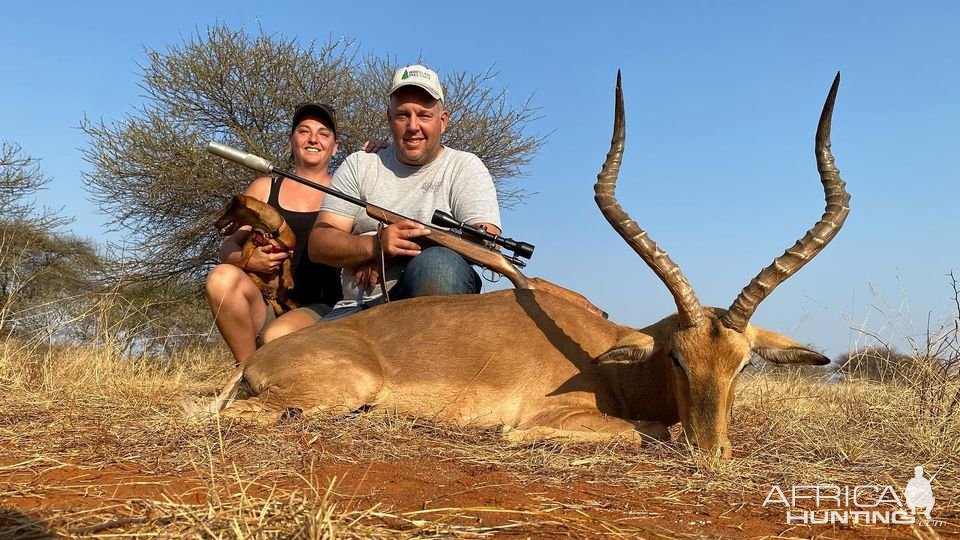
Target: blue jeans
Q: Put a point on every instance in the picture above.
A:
(436, 271)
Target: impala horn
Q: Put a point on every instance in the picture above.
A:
(688, 307)
(793, 259)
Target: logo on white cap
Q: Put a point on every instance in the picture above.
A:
(420, 76)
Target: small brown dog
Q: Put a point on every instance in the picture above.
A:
(269, 229)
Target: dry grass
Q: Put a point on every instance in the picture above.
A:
(95, 444)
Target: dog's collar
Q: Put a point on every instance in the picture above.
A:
(262, 237)
(273, 235)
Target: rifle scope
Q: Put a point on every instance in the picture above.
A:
(520, 249)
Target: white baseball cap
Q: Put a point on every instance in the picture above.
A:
(420, 76)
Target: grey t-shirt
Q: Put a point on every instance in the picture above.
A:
(456, 182)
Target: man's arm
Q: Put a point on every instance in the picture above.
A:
(331, 242)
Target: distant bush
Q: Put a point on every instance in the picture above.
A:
(58, 289)
(42, 267)
(880, 364)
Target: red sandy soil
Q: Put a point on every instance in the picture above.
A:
(486, 495)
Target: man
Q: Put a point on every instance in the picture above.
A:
(413, 177)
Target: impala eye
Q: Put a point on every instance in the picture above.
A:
(675, 359)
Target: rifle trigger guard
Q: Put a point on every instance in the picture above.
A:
(493, 277)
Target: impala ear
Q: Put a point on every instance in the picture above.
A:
(632, 348)
(780, 349)
(794, 355)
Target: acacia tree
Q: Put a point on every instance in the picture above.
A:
(40, 265)
(58, 288)
(20, 179)
(156, 183)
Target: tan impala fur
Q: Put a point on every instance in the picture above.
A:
(544, 362)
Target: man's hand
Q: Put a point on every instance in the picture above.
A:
(367, 276)
(396, 239)
(265, 261)
(374, 146)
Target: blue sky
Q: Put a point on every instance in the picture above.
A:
(722, 100)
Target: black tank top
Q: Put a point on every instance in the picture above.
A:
(313, 283)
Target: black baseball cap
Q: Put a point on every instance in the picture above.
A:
(315, 110)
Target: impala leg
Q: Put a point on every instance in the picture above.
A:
(317, 382)
(587, 426)
(252, 410)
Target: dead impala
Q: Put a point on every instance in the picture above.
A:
(541, 362)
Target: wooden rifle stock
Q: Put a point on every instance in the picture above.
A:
(472, 251)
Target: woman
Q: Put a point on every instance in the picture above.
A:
(241, 314)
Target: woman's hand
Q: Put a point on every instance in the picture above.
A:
(266, 259)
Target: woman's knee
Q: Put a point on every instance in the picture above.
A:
(224, 278)
(275, 330)
(288, 324)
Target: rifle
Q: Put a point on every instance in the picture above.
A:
(478, 254)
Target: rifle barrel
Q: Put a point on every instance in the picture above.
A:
(259, 164)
